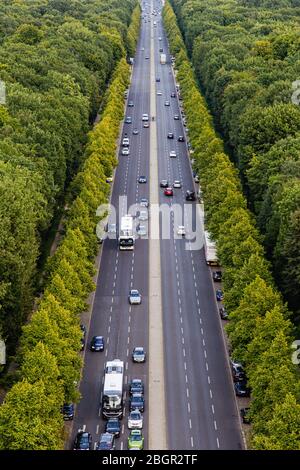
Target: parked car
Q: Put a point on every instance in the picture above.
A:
(173, 94)
(128, 120)
(237, 371)
(97, 343)
(130, 104)
(113, 426)
(136, 386)
(219, 295)
(241, 389)
(106, 442)
(157, 79)
(176, 117)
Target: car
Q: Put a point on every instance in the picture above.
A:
(181, 138)
(167, 103)
(142, 48)
(217, 276)
(113, 426)
(219, 295)
(125, 142)
(172, 154)
(237, 371)
(126, 94)
(157, 79)
(134, 297)
(135, 440)
(241, 389)
(106, 441)
(82, 340)
(128, 120)
(136, 386)
(244, 412)
(159, 93)
(145, 117)
(168, 191)
(97, 343)
(142, 179)
(190, 195)
(137, 402)
(159, 38)
(109, 179)
(170, 135)
(177, 184)
(142, 230)
(138, 354)
(173, 94)
(146, 124)
(176, 117)
(181, 230)
(161, 49)
(83, 441)
(164, 183)
(125, 151)
(223, 313)
(130, 104)
(135, 420)
(143, 215)
(144, 202)
(146, 57)
(135, 131)
(68, 411)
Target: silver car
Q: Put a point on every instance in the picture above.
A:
(172, 154)
(142, 231)
(135, 420)
(134, 297)
(177, 184)
(143, 215)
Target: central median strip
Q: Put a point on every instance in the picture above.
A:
(157, 415)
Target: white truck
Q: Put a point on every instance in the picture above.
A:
(112, 397)
(163, 58)
(126, 235)
(210, 250)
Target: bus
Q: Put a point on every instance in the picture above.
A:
(112, 397)
(126, 235)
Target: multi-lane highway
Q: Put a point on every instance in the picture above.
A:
(199, 400)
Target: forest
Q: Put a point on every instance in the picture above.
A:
(56, 59)
(246, 56)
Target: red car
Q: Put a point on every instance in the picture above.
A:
(168, 192)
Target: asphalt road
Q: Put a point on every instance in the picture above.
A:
(201, 410)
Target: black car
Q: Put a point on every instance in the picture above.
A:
(190, 196)
(97, 343)
(164, 183)
(136, 386)
(245, 415)
(137, 402)
(181, 138)
(113, 426)
(170, 135)
(68, 411)
(157, 79)
(237, 371)
(142, 179)
(106, 442)
(83, 329)
(161, 49)
(223, 313)
(83, 441)
(217, 276)
(241, 389)
(173, 94)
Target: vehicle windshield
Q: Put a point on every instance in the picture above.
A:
(135, 416)
(136, 437)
